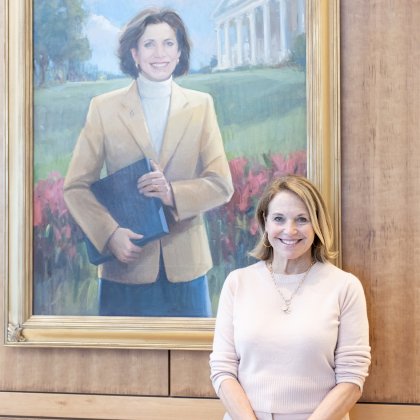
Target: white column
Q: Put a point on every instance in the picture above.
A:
(301, 19)
(227, 46)
(239, 40)
(283, 29)
(219, 47)
(252, 36)
(267, 32)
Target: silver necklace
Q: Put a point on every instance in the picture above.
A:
(287, 301)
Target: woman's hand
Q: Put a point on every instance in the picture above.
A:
(235, 400)
(338, 402)
(154, 184)
(122, 247)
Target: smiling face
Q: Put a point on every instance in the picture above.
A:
(289, 231)
(157, 52)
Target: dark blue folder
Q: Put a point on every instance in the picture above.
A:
(119, 195)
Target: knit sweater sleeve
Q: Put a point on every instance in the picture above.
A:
(352, 353)
(224, 359)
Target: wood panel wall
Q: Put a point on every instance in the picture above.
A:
(380, 96)
(381, 238)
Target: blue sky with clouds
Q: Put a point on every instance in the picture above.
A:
(106, 17)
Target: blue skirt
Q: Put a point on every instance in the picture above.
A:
(161, 298)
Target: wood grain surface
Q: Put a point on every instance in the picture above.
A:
(380, 93)
(99, 407)
(190, 374)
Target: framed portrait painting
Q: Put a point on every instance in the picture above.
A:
(269, 68)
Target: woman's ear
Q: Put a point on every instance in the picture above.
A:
(135, 55)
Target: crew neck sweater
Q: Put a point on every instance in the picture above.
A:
(287, 363)
(155, 100)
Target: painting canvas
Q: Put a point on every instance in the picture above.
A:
(250, 57)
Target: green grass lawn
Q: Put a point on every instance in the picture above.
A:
(259, 110)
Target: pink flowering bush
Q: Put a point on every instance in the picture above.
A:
(233, 229)
(57, 242)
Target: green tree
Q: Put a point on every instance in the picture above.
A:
(59, 43)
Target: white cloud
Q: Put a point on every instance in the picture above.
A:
(103, 39)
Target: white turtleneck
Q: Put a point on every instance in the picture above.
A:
(155, 98)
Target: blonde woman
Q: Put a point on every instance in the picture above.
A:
(291, 339)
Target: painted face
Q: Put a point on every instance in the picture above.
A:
(289, 228)
(157, 52)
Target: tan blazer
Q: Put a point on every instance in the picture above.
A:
(193, 160)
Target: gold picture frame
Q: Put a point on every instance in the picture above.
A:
(25, 329)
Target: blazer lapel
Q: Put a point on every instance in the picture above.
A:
(178, 119)
(132, 116)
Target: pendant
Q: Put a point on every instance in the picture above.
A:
(286, 309)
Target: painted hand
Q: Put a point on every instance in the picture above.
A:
(154, 184)
(121, 246)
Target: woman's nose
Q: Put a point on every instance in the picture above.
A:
(159, 50)
(290, 227)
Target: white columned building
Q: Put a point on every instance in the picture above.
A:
(301, 16)
(253, 38)
(264, 34)
(227, 53)
(219, 44)
(239, 41)
(283, 30)
(266, 31)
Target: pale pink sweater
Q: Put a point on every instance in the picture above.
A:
(287, 363)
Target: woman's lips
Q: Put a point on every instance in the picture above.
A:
(159, 65)
(289, 241)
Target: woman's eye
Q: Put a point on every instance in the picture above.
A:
(148, 44)
(302, 220)
(170, 43)
(279, 219)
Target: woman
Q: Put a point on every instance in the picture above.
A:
(177, 129)
(291, 337)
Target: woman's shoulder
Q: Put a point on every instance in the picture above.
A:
(247, 273)
(331, 273)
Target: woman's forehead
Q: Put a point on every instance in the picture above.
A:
(158, 30)
(286, 200)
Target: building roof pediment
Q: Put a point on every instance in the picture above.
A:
(228, 6)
